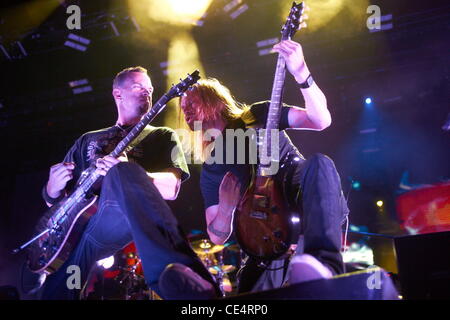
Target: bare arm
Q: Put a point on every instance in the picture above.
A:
(315, 115)
(168, 183)
(219, 217)
(219, 223)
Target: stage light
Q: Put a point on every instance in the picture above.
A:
(77, 83)
(106, 263)
(239, 11)
(174, 21)
(5, 52)
(267, 42)
(380, 203)
(173, 12)
(80, 86)
(266, 46)
(231, 5)
(386, 23)
(295, 219)
(22, 50)
(189, 8)
(356, 185)
(367, 131)
(81, 46)
(368, 100)
(182, 58)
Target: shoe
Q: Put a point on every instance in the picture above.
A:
(179, 282)
(305, 268)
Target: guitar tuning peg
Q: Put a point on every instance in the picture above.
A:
(306, 8)
(303, 25)
(305, 17)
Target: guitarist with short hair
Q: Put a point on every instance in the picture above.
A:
(131, 205)
(311, 186)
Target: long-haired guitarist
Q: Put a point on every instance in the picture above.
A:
(131, 204)
(311, 186)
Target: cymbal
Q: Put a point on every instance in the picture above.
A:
(205, 246)
(227, 268)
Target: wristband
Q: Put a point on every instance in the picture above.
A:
(49, 199)
(308, 82)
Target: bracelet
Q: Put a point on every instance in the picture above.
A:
(308, 82)
(49, 199)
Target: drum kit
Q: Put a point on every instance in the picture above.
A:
(213, 257)
(126, 277)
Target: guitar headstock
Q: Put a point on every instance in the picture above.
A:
(293, 21)
(183, 85)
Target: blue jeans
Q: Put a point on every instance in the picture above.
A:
(314, 187)
(130, 208)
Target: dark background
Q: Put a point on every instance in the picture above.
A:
(405, 70)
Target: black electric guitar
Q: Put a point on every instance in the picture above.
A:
(60, 228)
(263, 221)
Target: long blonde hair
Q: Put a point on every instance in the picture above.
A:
(216, 102)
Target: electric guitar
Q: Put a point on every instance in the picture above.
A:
(61, 227)
(263, 221)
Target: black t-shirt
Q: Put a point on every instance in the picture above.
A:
(159, 150)
(213, 173)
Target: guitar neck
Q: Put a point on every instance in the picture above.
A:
(290, 27)
(122, 145)
(90, 177)
(175, 91)
(274, 113)
(273, 118)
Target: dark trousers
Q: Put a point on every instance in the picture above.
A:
(314, 187)
(130, 209)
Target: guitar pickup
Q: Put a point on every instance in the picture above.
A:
(260, 201)
(258, 215)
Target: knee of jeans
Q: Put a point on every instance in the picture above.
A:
(122, 170)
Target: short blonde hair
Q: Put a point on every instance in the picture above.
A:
(120, 78)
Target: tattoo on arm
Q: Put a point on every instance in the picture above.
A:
(216, 232)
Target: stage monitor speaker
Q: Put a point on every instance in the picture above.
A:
(369, 284)
(424, 265)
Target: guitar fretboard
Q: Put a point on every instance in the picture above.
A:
(122, 145)
(274, 113)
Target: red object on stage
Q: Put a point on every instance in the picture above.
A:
(108, 274)
(132, 258)
(128, 259)
(426, 209)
